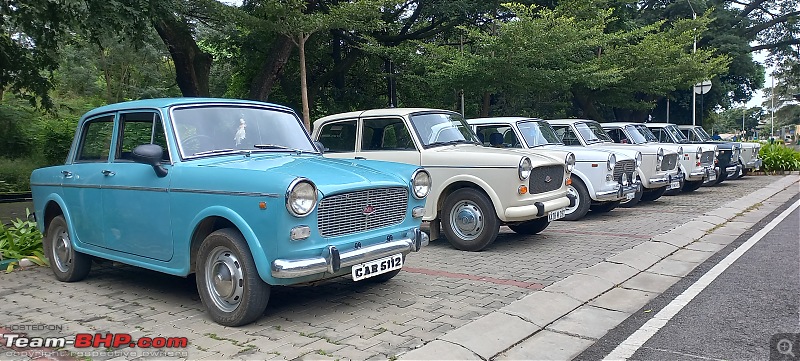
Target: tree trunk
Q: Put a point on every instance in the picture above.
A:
(301, 45)
(486, 104)
(192, 65)
(588, 110)
(271, 69)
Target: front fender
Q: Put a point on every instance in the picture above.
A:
(586, 181)
(260, 255)
(431, 205)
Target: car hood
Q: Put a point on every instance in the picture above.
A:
(479, 156)
(583, 154)
(329, 175)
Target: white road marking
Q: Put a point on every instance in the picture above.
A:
(635, 341)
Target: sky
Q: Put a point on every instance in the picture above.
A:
(758, 96)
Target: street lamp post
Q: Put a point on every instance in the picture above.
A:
(694, 50)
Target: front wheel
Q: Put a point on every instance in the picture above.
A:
(654, 194)
(469, 220)
(68, 265)
(692, 186)
(582, 200)
(530, 227)
(227, 279)
(604, 207)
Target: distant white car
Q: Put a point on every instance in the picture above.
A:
(601, 178)
(474, 189)
(746, 155)
(658, 171)
(696, 161)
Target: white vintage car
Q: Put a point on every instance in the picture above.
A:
(696, 161)
(747, 154)
(601, 178)
(475, 189)
(658, 171)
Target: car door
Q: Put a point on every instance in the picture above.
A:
(83, 179)
(339, 138)
(135, 200)
(389, 139)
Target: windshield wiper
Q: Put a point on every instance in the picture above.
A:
(452, 142)
(281, 147)
(215, 151)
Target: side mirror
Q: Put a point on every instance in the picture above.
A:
(320, 146)
(150, 154)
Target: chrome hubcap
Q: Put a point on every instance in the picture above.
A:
(224, 279)
(467, 220)
(574, 192)
(62, 250)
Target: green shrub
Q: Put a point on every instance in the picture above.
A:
(56, 137)
(777, 157)
(18, 128)
(21, 240)
(15, 174)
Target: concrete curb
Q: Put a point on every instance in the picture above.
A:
(565, 318)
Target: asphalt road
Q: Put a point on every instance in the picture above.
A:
(737, 314)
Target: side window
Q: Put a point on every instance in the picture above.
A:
(662, 135)
(618, 135)
(386, 134)
(137, 129)
(690, 134)
(568, 137)
(339, 136)
(498, 136)
(95, 144)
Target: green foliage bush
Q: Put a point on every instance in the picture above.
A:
(15, 174)
(21, 239)
(777, 157)
(56, 137)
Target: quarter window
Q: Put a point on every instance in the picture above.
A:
(568, 137)
(96, 143)
(386, 134)
(498, 136)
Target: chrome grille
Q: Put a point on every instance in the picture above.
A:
(538, 181)
(669, 162)
(343, 214)
(707, 158)
(627, 166)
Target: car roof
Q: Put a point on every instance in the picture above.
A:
(621, 124)
(168, 102)
(379, 112)
(567, 121)
(505, 120)
(659, 124)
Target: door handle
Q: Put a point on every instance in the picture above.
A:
(66, 174)
(107, 173)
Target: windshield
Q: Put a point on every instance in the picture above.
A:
(538, 133)
(676, 134)
(636, 135)
(701, 133)
(592, 132)
(220, 129)
(436, 129)
(646, 133)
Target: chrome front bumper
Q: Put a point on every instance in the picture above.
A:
(700, 174)
(733, 170)
(619, 193)
(754, 164)
(537, 209)
(659, 182)
(332, 260)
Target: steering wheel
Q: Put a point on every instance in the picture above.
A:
(193, 143)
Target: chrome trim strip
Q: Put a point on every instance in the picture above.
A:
(131, 188)
(231, 193)
(46, 184)
(470, 167)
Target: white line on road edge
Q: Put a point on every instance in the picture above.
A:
(635, 341)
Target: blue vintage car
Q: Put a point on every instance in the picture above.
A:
(233, 191)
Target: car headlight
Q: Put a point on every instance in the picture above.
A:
(570, 162)
(301, 197)
(638, 159)
(421, 183)
(524, 168)
(699, 153)
(612, 161)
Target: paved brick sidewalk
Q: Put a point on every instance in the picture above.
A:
(440, 290)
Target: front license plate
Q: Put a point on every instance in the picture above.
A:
(557, 214)
(630, 196)
(376, 267)
(712, 176)
(675, 185)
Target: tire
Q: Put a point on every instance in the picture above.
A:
(721, 177)
(745, 171)
(224, 255)
(692, 186)
(469, 220)
(652, 195)
(582, 200)
(533, 226)
(604, 207)
(634, 201)
(68, 265)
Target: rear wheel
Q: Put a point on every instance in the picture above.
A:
(604, 207)
(582, 200)
(469, 220)
(68, 265)
(227, 280)
(530, 227)
(651, 195)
